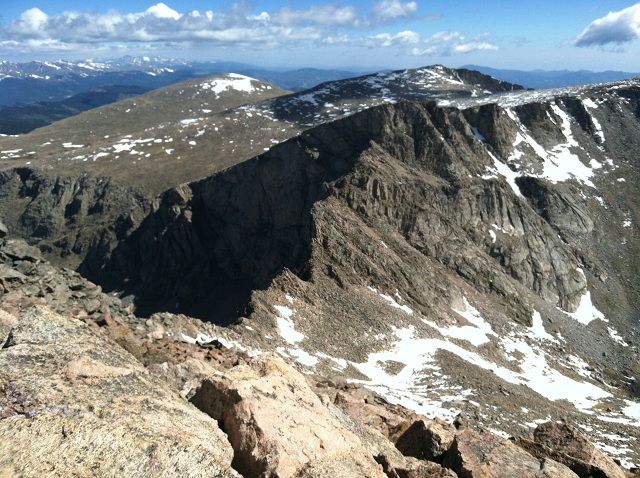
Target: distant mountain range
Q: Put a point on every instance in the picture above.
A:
(26, 83)
(37, 93)
(553, 78)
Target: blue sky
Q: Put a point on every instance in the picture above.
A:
(356, 34)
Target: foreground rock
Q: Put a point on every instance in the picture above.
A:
(568, 445)
(369, 410)
(279, 427)
(75, 404)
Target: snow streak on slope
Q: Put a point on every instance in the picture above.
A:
(517, 98)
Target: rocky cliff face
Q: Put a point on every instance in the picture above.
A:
(413, 242)
(416, 170)
(72, 219)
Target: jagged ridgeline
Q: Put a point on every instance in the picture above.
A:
(474, 254)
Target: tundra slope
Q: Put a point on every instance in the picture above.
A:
(479, 259)
(152, 141)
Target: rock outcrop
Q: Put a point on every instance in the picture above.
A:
(279, 427)
(74, 403)
(75, 221)
(226, 233)
(427, 440)
(28, 279)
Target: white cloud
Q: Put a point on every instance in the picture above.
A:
(162, 26)
(161, 10)
(616, 27)
(473, 46)
(323, 15)
(161, 23)
(451, 43)
(438, 44)
(386, 39)
(31, 22)
(392, 9)
(342, 38)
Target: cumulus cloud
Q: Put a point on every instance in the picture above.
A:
(438, 44)
(452, 43)
(323, 15)
(161, 10)
(30, 23)
(616, 27)
(393, 9)
(161, 23)
(387, 39)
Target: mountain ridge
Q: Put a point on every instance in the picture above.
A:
(239, 124)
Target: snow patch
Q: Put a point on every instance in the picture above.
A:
(537, 330)
(232, 81)
(478, 135)
(285, 325)
(590, 104)
(506, 172)
(586, 311)
(476, 334)
(616, 336)
(392, 302)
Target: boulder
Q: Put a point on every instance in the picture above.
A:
(362, 407)
(568, 445)
(20, 250)
(413, 468)
(3, 231)
(427, 439)
(485, 455)
(279, 427)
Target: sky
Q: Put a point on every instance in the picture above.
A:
(350, 34)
